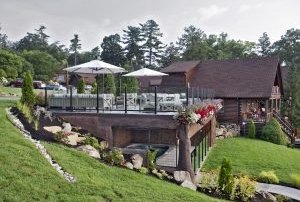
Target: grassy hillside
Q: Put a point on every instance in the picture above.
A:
(26, 176)
(252, 156)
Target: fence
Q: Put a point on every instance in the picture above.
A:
(153, 99)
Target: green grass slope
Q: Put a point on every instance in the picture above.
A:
(250, 156)
(26, 176)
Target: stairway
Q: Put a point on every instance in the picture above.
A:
(287, 128)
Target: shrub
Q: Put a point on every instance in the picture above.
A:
(36, 123)
(61, 136)
(40, 99)
(151, 155)
(251, 130)
(80, 86)
(209, 181)
(268, 177)
(243, 189)
(115, 157)
(225, 180)
(26, 111)
(272, 133)
(296, 180)
(89, 140)
(2, 73)
(28, 96)
(144, 170)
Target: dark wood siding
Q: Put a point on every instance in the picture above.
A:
(174, 80)
(230, 113)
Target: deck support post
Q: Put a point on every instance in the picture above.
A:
(184, 159)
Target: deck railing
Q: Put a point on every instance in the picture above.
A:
(153, 99)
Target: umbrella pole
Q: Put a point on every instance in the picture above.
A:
(103, 91)
(97, 81)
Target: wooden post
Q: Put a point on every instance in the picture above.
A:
(184, 160)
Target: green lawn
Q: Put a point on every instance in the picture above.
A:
(251, 156)
(15, 91)
(26, 176)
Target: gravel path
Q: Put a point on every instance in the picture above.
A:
(278, 189)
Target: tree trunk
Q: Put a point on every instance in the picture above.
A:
(184, 160)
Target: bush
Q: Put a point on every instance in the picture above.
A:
(115, 157)
(61, 136)
(26, 111)
(151, 155)
(80, 86)
(209, 181)
(243, 189)
(251, 130)
(268, 177)
(28, 96)
(296, 180)
(89, 140)
(157, 174)
(40, 99)
(225, 177)
(144, 170)
(2, 73)
(272, 133)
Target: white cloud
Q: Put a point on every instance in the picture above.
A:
(244, 8)
(211, 11)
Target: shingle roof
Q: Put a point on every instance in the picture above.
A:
(183, 66)
(237, 78)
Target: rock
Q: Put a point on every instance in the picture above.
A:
(91, 151)
(128, 165)
(219, 131)
(137, 161)
(67, 128)
(72, 139)
(189, 184)
(181, 176)
(265, 196)
(53, 129)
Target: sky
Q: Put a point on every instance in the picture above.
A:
(94, 19)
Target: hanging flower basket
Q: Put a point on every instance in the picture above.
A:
(198, 113)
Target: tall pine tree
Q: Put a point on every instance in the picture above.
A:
(152, 46)
(264, 45)
(75, 47)
(133, 50)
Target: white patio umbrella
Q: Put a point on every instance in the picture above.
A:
(145, 72)
(95, 67)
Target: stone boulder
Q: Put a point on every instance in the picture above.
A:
(53, 129)
(137, 161)
(189, 184)
(181, 176)
(219, 132)
(128, 165)
(67, 127)
(91, 151)
(74, 138)
(265, 197)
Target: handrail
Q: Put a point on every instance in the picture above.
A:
(279, 118)
(290, 130)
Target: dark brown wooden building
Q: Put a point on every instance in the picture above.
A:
(251, 88)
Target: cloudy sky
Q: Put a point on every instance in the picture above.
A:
(94, 19)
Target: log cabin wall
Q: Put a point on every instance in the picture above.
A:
(174, 79)
(230, 112)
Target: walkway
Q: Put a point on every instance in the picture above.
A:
(278, 189)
